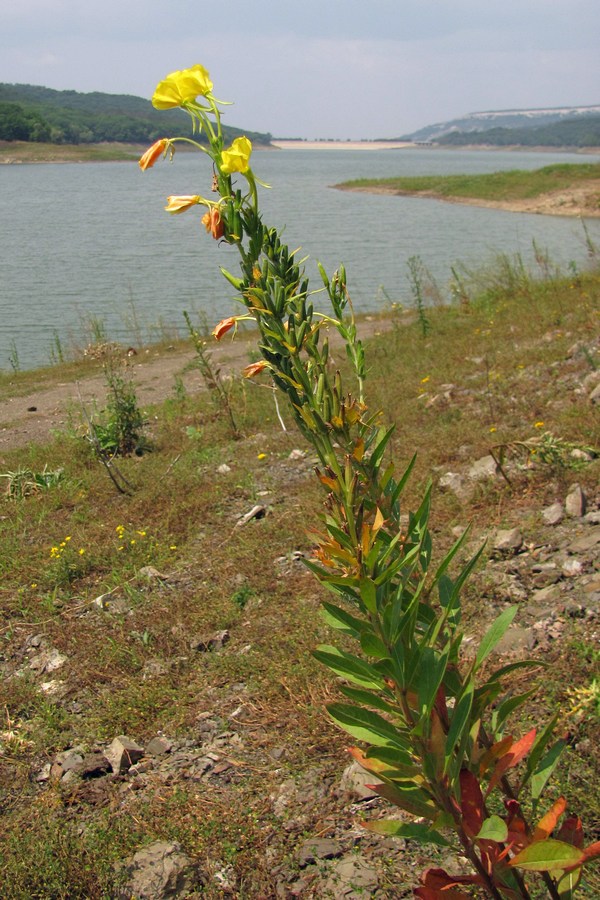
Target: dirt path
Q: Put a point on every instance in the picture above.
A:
(32, 417)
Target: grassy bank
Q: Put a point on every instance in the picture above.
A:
(500, 368)
(28, 152)
(497, 186)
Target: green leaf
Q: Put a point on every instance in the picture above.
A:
(508, 707)
(546, 767)
(373, 646)
(351, 667)
(493, 829)
(366, 726)
(432, 667)
(408, 797)
(368, 594)
(547, 856)
(341, 620)
(370, 699)
(410, 831)
(494, 635)
(459, 723)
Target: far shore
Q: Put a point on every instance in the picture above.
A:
(341, 145)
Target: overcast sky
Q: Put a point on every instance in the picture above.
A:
(317, 68)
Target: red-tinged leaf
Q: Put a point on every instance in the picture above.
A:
(548, 856)
(515, 755)
(571, 832)
(471, 805)
(549, 821)
(495, 752)
(589, 853)
(439, 880)
(425, 893)
(437, 741)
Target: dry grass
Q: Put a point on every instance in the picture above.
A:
(132, 671)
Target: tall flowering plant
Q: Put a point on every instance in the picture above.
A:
(421, 711)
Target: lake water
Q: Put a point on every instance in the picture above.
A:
(89, 247)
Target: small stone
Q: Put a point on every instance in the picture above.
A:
(159, 746)
(122, 753)
(351, 877)
(553, 515)
(207, 644)
(486, 467)
(509, 540)
(452, 481)
(297, 454)
(151, 572)
(93, 765)
(318, 848)
(595, 395)
(158, 871)
(47, 661)
(257, 512)
(355, 780)
(575, 503)
(585, 542)
(571, 568)
(223, 469)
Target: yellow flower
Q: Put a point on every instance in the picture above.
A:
(182, 87)
(492, 429)
(179, 204)
(538, 425)
(425, 380)
(223, 327)
(153, 152)
(237, 158)
(81, 551)
(262, 456)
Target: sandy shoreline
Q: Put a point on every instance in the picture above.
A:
(582, 201)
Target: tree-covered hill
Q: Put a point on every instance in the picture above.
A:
(580, 132)
(34, 113)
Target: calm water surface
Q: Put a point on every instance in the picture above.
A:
(90, 243)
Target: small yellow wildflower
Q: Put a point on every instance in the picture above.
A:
(34, 585)
(132, 541)
(261, 456)
(538, 425)
(81, 551)
(173, 547)
(425, 380)
(492, 429)
(68, 538)
(141, 533)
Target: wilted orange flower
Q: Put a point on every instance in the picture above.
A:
(212, 222)
(152, 154)
(181, 203)
(255, 368)
(224, 326)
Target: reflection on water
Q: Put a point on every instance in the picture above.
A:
(84, 244)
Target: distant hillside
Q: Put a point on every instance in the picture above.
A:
(575, 126)
(33, 113)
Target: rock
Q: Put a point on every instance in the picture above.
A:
(553, 515)
(585, 542)
(455, 483)
(158, 746)
(158, 872)
(207, 644)
(257, 512)
(64, 762)
(571, 568)
(508, 541)
(151, 572)
(93, 765)
(485, 467)
(297, 454)
(223, 469)
(47, 661)
(351, 877)
(123, 753)
(594, 396)
(575, 504)
(318, 848)
(355, 780)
